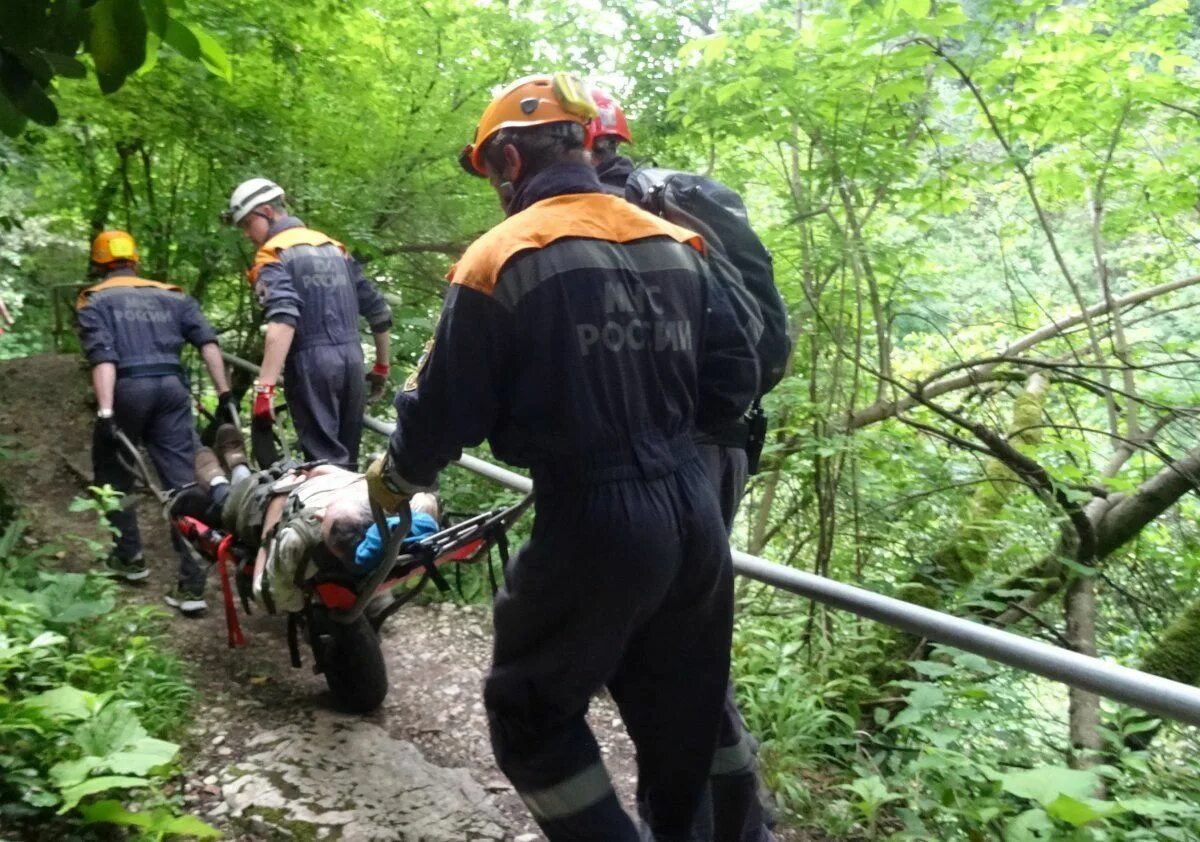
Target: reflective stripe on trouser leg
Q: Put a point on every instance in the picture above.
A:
(572, 795)
(734, 759)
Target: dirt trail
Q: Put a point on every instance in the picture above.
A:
(266, 757)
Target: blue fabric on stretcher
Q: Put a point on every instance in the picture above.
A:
(370, 548)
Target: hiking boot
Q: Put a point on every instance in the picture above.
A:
(131, 569)
(187, 599)
(192, 501)
(230, 447)
(208, 467)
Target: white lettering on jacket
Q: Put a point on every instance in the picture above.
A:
(638, 334)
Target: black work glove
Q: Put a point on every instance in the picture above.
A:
(104, 432)
(376, 382)
(227, 406)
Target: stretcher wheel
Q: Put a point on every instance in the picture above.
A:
(350, 656)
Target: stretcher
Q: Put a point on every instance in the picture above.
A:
(342, 613)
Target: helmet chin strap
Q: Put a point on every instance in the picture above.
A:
(507, 193)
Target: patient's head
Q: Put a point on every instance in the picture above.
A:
(344, 524)
(346, 520)
(425, 502)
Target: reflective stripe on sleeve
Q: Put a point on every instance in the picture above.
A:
(572, 795)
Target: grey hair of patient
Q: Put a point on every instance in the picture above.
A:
(348, 524)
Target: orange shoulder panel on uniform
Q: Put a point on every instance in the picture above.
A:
(269, 251)
(595, 216)
(121, 281)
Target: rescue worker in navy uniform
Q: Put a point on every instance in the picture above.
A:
(313, 293)
(584, 339)
(605, 133)
(132, 331)
(732, 809)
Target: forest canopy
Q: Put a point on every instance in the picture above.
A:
(982, 217)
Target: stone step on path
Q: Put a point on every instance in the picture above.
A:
(327, 776)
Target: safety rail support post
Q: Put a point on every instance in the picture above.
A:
(1152, 693)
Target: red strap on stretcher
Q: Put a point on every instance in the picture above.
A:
(232, 627)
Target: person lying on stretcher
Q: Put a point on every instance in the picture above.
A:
(297, 519)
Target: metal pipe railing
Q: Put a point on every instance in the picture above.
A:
(1160, 696)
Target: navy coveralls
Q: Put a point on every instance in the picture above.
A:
(732, 811)
(141, 330)
(585, 338)
(318, 289)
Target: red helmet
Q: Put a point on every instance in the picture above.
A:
(609, 122)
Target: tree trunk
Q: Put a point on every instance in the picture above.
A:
(1177, 657)
(958, 561)
(1116, 520)
(1084, 712)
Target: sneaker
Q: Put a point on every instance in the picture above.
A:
(208, 467)
(188, 600)
(230, 446)
(131, 569)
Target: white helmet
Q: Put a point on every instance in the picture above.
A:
(248, 195)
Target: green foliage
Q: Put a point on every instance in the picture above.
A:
(82, 687)
(40, 40)
(965, 752)
(102, 500)
(156, 824)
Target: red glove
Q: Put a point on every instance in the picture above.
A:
(264, 403)
(376, 381)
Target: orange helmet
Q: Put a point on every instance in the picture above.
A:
(111, 246)
(530, 101)
(609, 120)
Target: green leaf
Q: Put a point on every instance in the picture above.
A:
(113, 812)
(116, 40)
(1164, 8)
(157, 16)
(40, 798)
(153, 43)
(191, 826)
(114, 729)
(25, 93)
(926, 697)
(1044, 785)
(714, 47)
(66, 702)
(182, 40)
(1030, 826)
(47, 638)
(931, 669)
(1078, 812)
(212, 56)
(1085, 571)
(914, 8)
(142, 756)
(12, 121)
(71, 772)
(72, 795)
(1157, 808)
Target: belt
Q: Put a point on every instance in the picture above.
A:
(149, 370)
(733, 434)
(304, 343)
(645, 459)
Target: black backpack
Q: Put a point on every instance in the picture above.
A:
(718, 214)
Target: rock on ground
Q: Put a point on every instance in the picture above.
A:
(351, 780)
